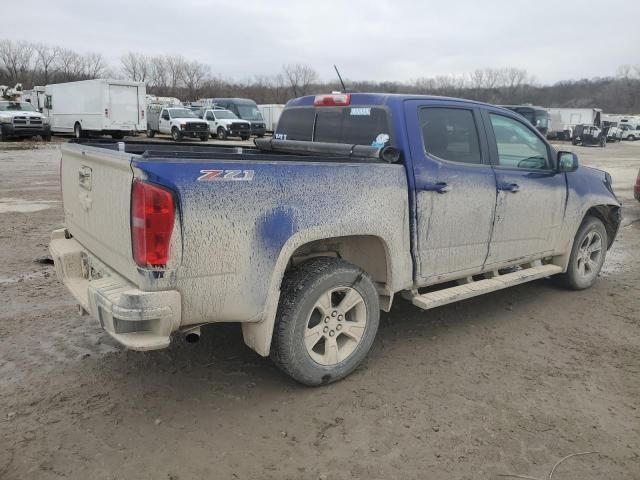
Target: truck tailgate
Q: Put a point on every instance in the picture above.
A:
(96, 191)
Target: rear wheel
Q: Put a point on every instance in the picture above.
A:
(176, 134)
(3, 134)
(150, 133)
(222, 133)
(326, 322)
(77, 131)
(117, 135)
(632, 138)
(587, 255)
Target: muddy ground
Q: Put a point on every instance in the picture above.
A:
(506, 383)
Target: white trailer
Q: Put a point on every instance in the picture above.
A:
(35, 97)
(564, 120)
(271, 114)
(113, 107)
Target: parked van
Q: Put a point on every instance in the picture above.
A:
(246, 109)
(112, 107)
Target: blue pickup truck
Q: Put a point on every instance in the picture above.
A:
(306, 237)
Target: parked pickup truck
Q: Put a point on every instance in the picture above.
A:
(305, 238)
(224, 123)
(179, 122)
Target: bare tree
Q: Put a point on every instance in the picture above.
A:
(136, 66)
(47, 57)
(193, 75)
(94, 65)
(16, 58)
(175, 71)
(300, 77)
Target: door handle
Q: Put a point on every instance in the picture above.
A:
(440, 187)
(509, 187)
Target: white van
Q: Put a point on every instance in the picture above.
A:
(112, 107)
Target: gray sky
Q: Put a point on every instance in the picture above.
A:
(368, 39)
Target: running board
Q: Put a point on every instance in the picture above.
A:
(475, 288)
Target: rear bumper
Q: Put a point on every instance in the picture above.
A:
(137, 319)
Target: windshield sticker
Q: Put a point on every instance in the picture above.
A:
(365, 112)
(381, 140)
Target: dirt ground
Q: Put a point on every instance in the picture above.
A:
(507, 383)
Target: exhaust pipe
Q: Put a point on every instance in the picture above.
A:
(193, 335)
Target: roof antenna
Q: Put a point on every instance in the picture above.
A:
(344, 89)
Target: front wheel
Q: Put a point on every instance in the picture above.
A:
(631, 138)
(222, 133)
(3, 134)
(46, 137)
(326, 322)
(245, 137)
(204, 138)
(587, 255)
(176, 134)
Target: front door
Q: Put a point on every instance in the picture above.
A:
(531, 195)
(455, 189)
(164, 122)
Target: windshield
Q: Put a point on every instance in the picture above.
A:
(542, 119)
(181, 113)
(249, 112)
(20, 106)
(224, 114)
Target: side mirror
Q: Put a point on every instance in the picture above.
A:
(567, 162)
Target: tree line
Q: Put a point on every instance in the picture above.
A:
(176, 76)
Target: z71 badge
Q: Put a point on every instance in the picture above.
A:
(226, 175)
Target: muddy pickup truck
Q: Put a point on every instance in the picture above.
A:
(306, 237)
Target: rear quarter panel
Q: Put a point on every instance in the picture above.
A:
(238, 236)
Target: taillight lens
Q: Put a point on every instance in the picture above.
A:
(152, 218)
(142, 114)
(106, 112)
(333, 100)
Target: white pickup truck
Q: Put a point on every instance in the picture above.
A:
(224, 123)
(179, 122)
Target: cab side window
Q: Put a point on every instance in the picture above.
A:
(450, 134)
(210, 116)
(518, 146)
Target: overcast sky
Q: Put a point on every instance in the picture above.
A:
(368, 39)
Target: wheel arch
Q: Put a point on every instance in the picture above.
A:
(610, 216)
(369, 252)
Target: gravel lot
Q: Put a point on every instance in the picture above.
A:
(507, 383)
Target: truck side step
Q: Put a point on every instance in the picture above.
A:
(475, 288)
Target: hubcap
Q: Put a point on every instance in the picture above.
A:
(335, 326)
(589, 255)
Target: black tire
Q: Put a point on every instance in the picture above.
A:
(3, 135)
(302, 288)
(260, 135)
(245, 137)
(150, 133)
(631, 138)
(221, 133)
(572, 278)
(204, 138)
(47, 137)
(77, 131)
(176, 134)
(117, 135)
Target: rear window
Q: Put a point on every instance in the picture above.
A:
(356, 125)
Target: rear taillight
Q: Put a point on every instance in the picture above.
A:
(106, 112)
(152, 218)
(142, 114)
(333, 100)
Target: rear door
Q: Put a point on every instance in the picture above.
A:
(531, 195)
(124, 108)
(455, 188)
